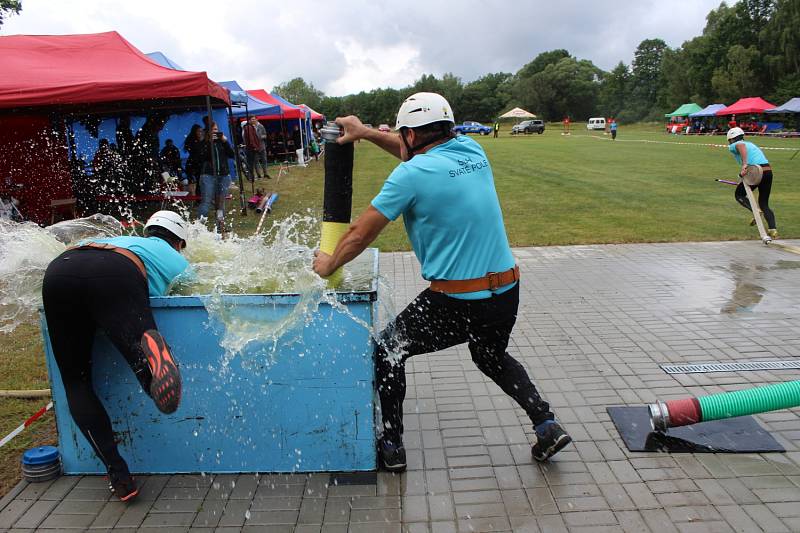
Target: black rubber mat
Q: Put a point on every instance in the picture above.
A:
(354, 478)
(733, 435)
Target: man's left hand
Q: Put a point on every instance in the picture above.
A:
(323, 264)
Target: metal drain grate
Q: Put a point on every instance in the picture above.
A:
(731, 367)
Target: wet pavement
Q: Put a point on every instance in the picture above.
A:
(595, 323)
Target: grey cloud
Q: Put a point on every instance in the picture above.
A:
(270, 42)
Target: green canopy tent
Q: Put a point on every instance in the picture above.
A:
(685, 110)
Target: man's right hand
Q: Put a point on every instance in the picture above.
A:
(354, 129)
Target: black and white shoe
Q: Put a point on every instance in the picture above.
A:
(392, 455)
(122, 485)
(551, 438)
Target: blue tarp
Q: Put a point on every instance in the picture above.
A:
(708, 111)
(254, 106)
(164, 61)
(792, 106)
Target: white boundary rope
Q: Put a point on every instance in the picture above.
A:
(713, 145)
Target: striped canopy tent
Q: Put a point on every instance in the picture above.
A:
(685, 110)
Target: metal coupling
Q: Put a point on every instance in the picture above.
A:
(659, 416)
(330, 131)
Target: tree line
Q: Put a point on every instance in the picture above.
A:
(749, 49)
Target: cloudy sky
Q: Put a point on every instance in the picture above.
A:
(346, 46)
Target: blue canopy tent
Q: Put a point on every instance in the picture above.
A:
(708, 111)
(164, 61)
(792, 106)
(179, 125)
(252, 106)
(176, 128)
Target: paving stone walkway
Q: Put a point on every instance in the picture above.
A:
(595, 322)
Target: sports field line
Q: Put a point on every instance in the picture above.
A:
(713, 145)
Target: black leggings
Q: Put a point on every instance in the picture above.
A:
(764, 189)
(84, 290)
(433, 322)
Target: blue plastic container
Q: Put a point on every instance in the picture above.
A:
(308, 408)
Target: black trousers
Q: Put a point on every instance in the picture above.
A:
(433, 322)
(84, 290)
(764, 188)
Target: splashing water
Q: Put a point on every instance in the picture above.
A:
(25, 251)
(276, 263)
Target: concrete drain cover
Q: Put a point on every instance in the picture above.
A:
(731, 367)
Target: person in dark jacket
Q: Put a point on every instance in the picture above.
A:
(191, 145)
(215, 176)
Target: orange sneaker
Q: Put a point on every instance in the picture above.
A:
(165, 387)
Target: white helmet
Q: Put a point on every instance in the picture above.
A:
(423, 108)
(170, 221)
(735, 132)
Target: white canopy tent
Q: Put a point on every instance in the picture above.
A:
(518, 112)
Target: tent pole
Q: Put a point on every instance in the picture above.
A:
(209, 140)
(236, 165)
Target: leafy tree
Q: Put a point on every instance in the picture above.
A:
(9, 7)
(485, 98)
(298, 91)
(541, 62)
(568, 87)
(615, 91)
(646, 70)
(739, 77)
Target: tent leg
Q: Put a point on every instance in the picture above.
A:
(242, 203)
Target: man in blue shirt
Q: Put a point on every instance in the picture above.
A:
(444, 188)
(106, 284)
(748, 154)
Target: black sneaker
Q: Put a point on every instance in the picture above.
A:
(122, 485)
(392, 455)
(551, 438)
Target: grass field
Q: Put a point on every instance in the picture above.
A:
(554, 189)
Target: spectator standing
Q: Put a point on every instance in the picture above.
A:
(496, 128)
(215, 177)
(255, 148)
(613, 127)
(194, 166)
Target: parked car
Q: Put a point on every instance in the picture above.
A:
(470, 126)
(528, 126)
(384, 127)
(596, 124)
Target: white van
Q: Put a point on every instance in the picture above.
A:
(596, 124)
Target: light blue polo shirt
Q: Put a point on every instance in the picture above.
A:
(162, 262)
(451, 213)
(754, 154)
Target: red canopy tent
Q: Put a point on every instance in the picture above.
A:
(47, 77)
(287, 111)
(744, 106)
(62, 70)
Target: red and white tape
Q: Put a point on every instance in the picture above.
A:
(25, 424)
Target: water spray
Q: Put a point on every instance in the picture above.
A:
(338, 196)
(687, 411)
